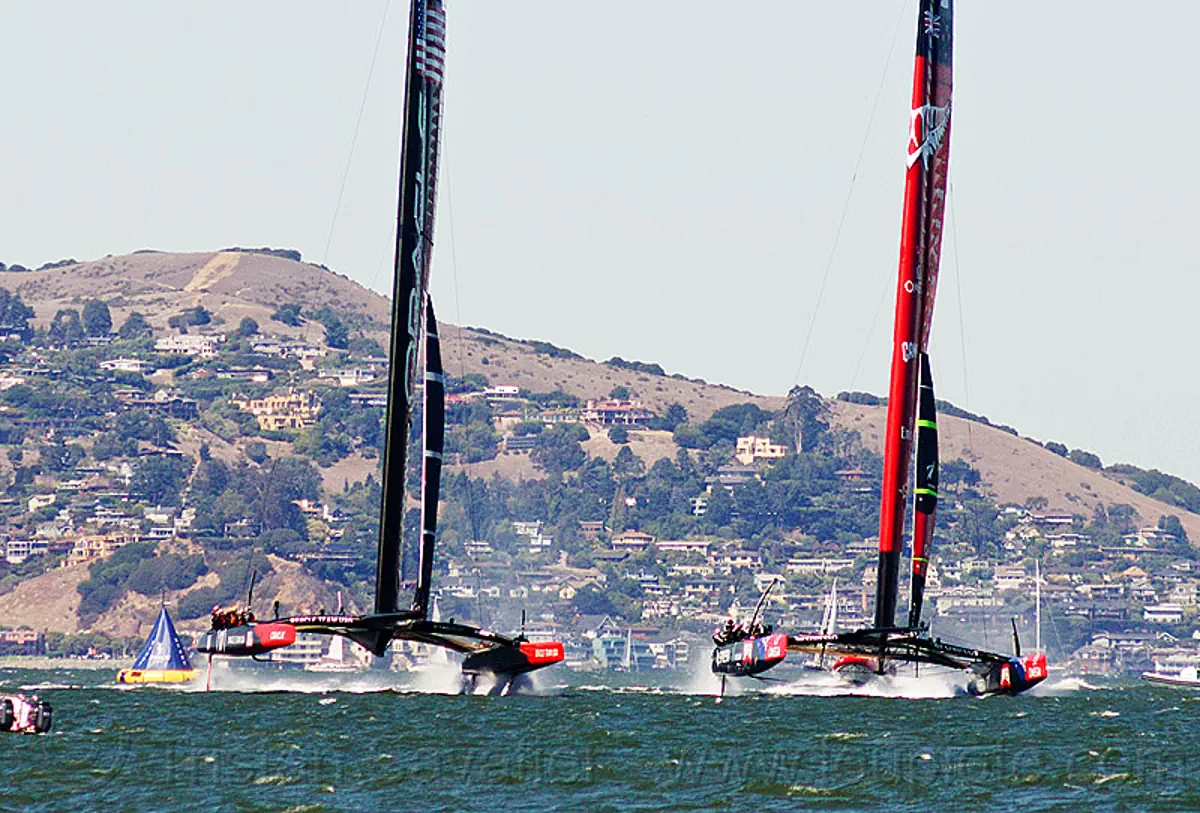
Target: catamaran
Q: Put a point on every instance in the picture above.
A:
(869, 653)
(487, 654)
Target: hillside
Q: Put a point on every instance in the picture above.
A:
(1016, 469)
(222, 451)
(237, 284)
(233, 284)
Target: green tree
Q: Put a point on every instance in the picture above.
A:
(158, 480)
(135, 327)
(288, 314)
(66, 328)
(618, 434)
(96, 319)
(619, 393)
(1169, 523)
(15, 315)
(675, 415)
(246, 328)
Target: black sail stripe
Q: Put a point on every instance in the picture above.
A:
(431, 474)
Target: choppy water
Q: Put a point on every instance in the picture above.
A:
(597, 744)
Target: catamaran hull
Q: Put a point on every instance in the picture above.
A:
(508, 661)
(247, 640)
(750, 656)
(1019, 674)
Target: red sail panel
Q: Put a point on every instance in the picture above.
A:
(920, 249)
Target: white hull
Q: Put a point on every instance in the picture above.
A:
(1171, 680)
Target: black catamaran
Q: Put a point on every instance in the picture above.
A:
(864, 653)
(413, 326)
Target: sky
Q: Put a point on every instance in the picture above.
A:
(711, 186)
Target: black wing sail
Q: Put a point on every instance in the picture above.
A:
(414, 249)
(925, 497)
(431, 474)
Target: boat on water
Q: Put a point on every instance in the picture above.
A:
(24, 714)
(1188, 677)
(873, 652)
(491, 655)
(334, 661)
(163, 658)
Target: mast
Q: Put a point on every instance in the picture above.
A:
(920, 251)
(414, 249)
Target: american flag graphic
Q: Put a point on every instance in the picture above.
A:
(431, 41)
(933, 24)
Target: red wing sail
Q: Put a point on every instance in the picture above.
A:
(920, 252)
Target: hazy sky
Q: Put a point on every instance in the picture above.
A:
(663, 180)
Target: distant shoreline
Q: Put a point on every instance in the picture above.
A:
(42, 662)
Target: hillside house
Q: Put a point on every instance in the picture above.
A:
(632, 541)
(288, 348)
(352, 377)
(88, 548)
(1168, 613)
(610, 412)
(683, 546)
(820, 565)
(290, 410)
(188, 344)
(125, 365)
(752, 447)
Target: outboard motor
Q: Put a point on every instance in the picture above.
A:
(42, 718)
(7, 715)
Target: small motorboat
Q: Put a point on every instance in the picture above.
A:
(1186, 677)
(24, 715)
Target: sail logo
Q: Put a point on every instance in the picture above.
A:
(908, 351)
(927, 128)
(431, 43)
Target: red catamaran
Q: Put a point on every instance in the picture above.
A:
(486, 653)
(912, 414)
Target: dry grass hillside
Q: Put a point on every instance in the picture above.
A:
(233, 284)
(1016, 469)
(230, 284)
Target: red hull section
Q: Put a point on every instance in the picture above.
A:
(252, 639)
(543, 654)
(510, 660)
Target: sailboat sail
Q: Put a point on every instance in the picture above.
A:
(926, 493)
(431, 474)
(920, 253)
(414, 251)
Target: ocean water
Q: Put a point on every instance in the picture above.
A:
(618, 743)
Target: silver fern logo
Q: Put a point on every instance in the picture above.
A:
(926, 132)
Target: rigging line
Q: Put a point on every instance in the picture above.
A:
(883, 292)
(354, 140)
(862, 151)
(962, 330)
(472, 518)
